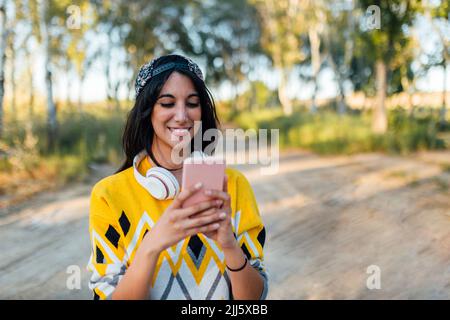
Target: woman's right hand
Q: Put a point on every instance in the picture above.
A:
(177, 223)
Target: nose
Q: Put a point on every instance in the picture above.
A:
(181, 113)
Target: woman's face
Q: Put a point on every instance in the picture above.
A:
(175, 110)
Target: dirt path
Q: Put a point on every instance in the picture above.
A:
(327, 219)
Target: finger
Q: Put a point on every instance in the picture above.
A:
(185, 194)
(212, 211)
(197, 208)
(203, 220)
(203, 229)
(218, 194)
(204, 213)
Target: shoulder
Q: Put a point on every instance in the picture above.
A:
(234, 175)
(243, 201)
(107, 195)
(110, 184)
(237, 181)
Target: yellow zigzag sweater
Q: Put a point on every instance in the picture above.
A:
(122, 211)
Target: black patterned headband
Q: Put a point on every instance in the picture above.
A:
(147, 71)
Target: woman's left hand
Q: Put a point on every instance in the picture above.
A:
(224, 235)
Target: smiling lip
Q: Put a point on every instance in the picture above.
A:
(179, 131)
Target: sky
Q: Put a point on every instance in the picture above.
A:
(95, 82)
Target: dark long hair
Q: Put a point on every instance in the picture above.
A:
(138, 132)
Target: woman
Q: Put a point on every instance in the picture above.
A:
(150, 247)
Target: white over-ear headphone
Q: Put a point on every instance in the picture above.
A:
(159, 182)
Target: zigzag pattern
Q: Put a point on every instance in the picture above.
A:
(194, 268)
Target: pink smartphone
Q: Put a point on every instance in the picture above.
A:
(210, 173)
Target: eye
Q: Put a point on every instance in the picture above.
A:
(167, 105)
(193, 105)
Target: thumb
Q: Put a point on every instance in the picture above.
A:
(184, 194)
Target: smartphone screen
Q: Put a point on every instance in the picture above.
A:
(210, 173)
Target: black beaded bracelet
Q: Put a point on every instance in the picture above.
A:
(239, 269)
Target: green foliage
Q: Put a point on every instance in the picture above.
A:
(329, 133)
(445, 167)
(391, 43)
(81, 139)
(68, 167)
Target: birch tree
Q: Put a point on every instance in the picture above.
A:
(283, 25)
(3, 40)
(45, 41)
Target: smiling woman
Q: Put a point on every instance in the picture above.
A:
(175, 111)
(145, 243)
(170, 94)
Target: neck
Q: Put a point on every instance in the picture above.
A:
(161, 156)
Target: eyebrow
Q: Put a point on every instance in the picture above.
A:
(168, 95)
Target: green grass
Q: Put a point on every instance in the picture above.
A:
(95, 136)
(445, 167)
(82, 138)
(329, 133)
(399, 174)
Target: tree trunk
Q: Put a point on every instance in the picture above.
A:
(286, 103)
(379, 124)
(30, 82)
(313, 107)
(109, 86)
(3, 34)
(108, 75)
(341, 103)
(68, 85)
(128, 95)
(443, 112)
(342, 106)
(116, 95)
(12, 73)
(80, 91)
(51, 108)
(446, 58)
(314, 41)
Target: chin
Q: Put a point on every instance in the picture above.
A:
(178, 144)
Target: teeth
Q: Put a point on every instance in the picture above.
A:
(179, 131)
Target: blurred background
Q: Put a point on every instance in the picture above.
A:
(358, 89)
